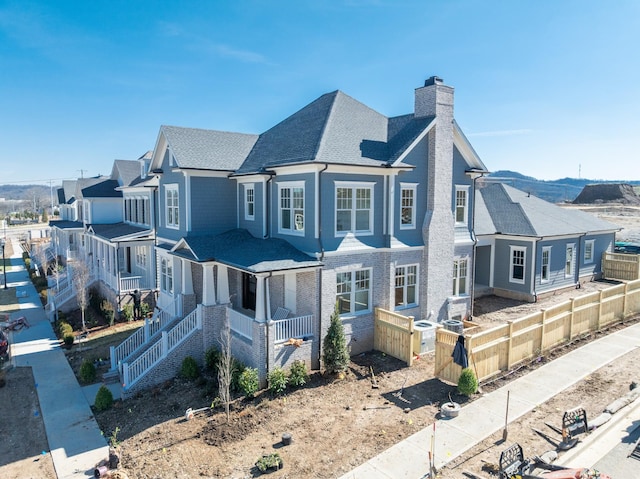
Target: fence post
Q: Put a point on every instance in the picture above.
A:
(542, 329)
(125, 375)
(146, 330)
(411, 333)
(165, 344)
(112, 355)
(599, 311)
(624, 300)
(509, 345)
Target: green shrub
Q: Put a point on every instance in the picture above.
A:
(270, 461)
(127, 312)
(237, 367)
(212, 360)
(189, 369)
(87, 372)
(248, 382)
(298, 375)
(145, 309)
(68, 340)
(64, 328)
(467, 383)
(104, 399)
(334, 349)
(277, 380)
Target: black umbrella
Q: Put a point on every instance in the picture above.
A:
(460, 353)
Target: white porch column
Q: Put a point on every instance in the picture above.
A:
(187, 280)
(223, 284)
(208, 286)
(260, 299)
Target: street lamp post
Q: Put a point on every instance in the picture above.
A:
(4, 265)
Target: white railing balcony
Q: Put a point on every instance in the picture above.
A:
(131, 283)
(298, 327)
(240, 323)
(161, 348)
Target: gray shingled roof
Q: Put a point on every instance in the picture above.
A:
(237, 248)
(126, 171)
(208, 149)
(506, 210)
(115, 231)
(104, 189)
(82, 183)
(65, 224)
(337, 129)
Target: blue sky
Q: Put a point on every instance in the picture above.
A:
(549, 88)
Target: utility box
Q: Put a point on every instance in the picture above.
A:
(424, 336)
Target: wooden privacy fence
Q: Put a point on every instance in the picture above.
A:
(393, 335)
(620, 266)
(501, 348)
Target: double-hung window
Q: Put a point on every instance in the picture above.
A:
(407, 206)
(460, 268)
(353, 291)
(588, 251)
(406, 286)
(291, 210)
(462, 199)
(546, 264)
(249, 201)
(172, 206)
(518, 263)
(166, 275)
(569, 260)
(354, 208)
(141, 256)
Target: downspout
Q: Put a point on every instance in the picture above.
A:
(267, 209)
(578, 255)
(474, 238)
(326, 165)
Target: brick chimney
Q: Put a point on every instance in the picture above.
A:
(438, 232)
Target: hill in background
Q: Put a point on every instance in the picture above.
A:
(556, 191)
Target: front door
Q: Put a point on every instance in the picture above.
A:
(248, 291)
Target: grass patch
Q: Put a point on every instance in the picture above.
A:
(8, 300)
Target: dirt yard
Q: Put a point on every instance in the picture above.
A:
(336, 424)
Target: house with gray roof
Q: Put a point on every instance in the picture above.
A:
(337, 204)
(528, 247)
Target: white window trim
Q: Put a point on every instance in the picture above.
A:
(592, 244)
(171, 187)
(465, 221)
(247, 187)
(164, 276)
(572, 272)
(404, 287)
(457, 277)
(293, 230)
(513, 249)
(545, 249)
(412, 187)
(353, 185)
(353, 272)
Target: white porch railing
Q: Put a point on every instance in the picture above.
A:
(297, 327)
(161, 348)
(240, 323)
(160, 320)
(131, 283)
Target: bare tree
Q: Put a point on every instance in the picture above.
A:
(81, 284)
(225, 367)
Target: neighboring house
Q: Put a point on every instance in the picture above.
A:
(336, 204)
(528, 247)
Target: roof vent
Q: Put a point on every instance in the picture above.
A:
(432, 81)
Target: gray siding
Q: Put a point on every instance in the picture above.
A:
(213, 205)
(170, 177)
(503, 263)
(255, 226)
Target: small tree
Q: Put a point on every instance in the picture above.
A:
(45, 216)
(225, 368)
(81, 285)
(467, 382)
(334, 349)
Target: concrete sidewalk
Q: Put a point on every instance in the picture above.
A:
(75, 440)
(485, 416)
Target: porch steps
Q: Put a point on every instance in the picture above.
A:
(111, 377)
